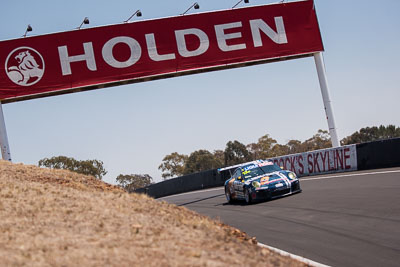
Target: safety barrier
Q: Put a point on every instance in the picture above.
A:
(330, 160)
(378, 154)
(185, 183)
(365, 156)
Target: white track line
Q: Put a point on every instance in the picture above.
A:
(347, 175)
(293, 256)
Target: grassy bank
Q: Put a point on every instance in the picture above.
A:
(60, 218)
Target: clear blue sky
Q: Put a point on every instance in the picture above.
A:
(131, 128)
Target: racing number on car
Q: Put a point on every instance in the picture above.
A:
(238, 185)
(231, 186)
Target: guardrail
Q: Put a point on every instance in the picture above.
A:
(187, 183)
(365, 156)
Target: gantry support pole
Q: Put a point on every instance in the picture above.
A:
(4, 146)
(323, 82)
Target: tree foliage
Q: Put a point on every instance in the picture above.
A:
(266, 147)
(173, 165)
(369, 134)
(201, 160)
(320, 140)
(278, 150)
(220, 156)
(263, 148)
(236, 153)
(294, 146)
(131, 182)
(88, 167)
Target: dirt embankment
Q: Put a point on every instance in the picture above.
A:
(60, 218)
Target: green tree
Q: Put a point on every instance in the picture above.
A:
(266, 144)
(201, 160)
(369, 134)
(131, 182)
(320, 140)
(173, 165)
(88, 167)
(254, 151)
(236, 153)
(279, 150)
(263, 148)
(219, 155)
(294, 146)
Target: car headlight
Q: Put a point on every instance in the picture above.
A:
(292, 175)
(256, 184)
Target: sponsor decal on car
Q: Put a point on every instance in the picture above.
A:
(247, 168)
(264, 180)
(266, 163)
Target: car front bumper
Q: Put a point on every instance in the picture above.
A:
(270, 193)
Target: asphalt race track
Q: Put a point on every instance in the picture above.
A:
(347, 219)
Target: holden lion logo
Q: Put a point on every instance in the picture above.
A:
(24, 66)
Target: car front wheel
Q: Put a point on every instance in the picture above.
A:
(228, 195)
(247, 196)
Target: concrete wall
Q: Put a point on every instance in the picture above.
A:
(330, 160)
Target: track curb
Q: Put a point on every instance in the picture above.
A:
(293, 256)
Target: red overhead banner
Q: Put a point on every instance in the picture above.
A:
(93, 58)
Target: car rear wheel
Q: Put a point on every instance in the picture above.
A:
(247, 196)
(228, 195)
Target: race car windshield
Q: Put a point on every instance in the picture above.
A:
(252, 171)
(270, 168)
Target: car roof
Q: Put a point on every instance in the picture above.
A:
(254, 162)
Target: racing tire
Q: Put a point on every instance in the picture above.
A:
(228, 195)
(247, 196)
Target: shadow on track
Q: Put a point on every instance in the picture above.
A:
(199, 200)
(258, 201)
(235, 203)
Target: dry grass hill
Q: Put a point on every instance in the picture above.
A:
(59, 218)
